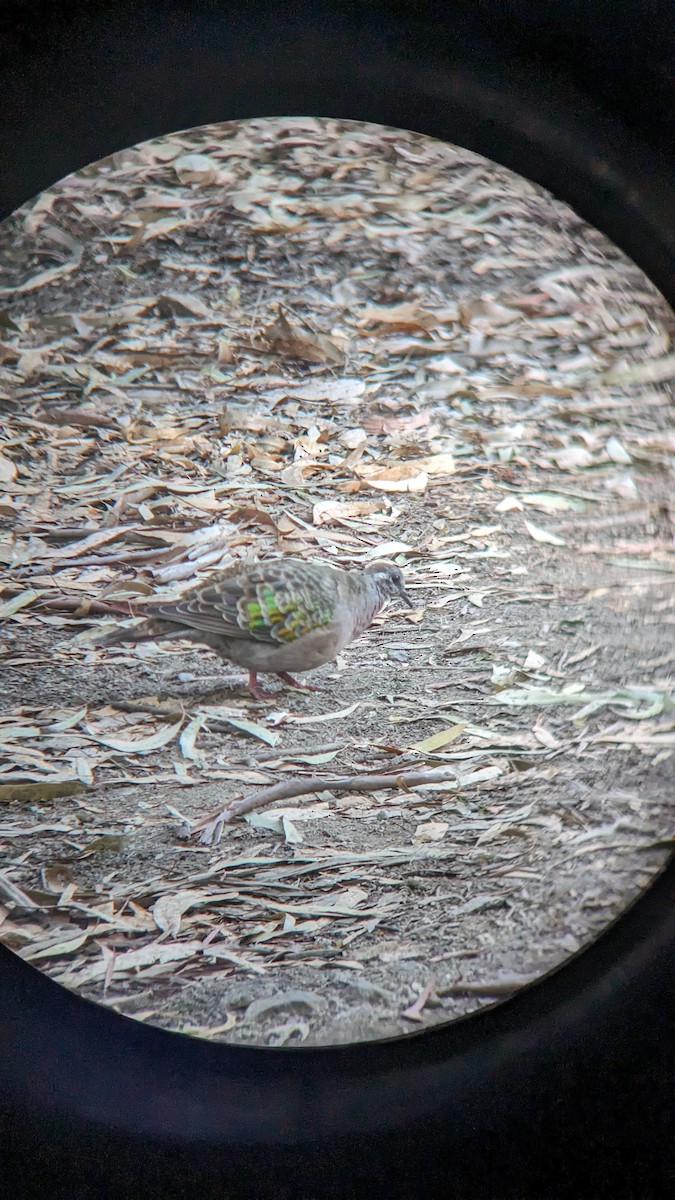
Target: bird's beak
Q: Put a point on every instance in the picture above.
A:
(407, 600)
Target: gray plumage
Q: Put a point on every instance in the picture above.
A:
(283, 615)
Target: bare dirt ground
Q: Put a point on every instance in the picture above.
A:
(346, 342)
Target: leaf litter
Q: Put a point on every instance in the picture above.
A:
(400, 350)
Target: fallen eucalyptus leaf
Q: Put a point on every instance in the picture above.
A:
(431, 831)
(168, 910)
(154, 741)
(443, 738)
(257, 731)
(18, 602)
(617, 452)
(31, 793)
(544, 535)
(67, 946)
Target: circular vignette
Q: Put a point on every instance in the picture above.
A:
(451, 73)
(508, 1101)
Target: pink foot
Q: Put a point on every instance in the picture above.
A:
(301, 687)
(255, 689)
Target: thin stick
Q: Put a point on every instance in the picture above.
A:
(83, 606)
(211, 826)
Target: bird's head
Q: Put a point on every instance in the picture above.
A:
(389, 581)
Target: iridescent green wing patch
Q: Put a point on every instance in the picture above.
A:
(282, 613)
(253, 616)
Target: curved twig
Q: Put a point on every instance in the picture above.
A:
(211, 827)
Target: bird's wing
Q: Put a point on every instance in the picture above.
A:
(204, 608)
(276, 606)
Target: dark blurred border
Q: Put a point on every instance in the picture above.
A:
(565, 1091)
(620, 51)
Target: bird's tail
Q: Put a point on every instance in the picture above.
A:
(152, 630)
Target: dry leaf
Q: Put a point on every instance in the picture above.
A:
(52, 273)
(34, 792)
(182, 304)
(544, 535)
(140, 745)
(387, 550)
(431, 831)
(317, 720)
(333, 391)
(573, 458)
(7, 470)
(168, 910)
(196, 169)
(617, 452)
(108, 843)
(328, 512)
(545, 737)
(484, 313)
(445, 365)
(283, 338)
(92, 542)
(443, 738)
(10, 607)
(398, 316)
(552, 502)
(132, 960)
(56, 878)
(509, 504)
(189, 736)
(393, 477)
(436, 464)
(654, 370)
(257, 731)
(376, 424)
(57, 949)
(277, 822)
(534, 661)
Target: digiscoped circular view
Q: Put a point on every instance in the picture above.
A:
(337, 582)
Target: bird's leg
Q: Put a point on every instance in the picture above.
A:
(255, 688)
(302, 687)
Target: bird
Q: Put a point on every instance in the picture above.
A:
(278, 615)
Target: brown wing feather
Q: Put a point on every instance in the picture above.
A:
(211, 606)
